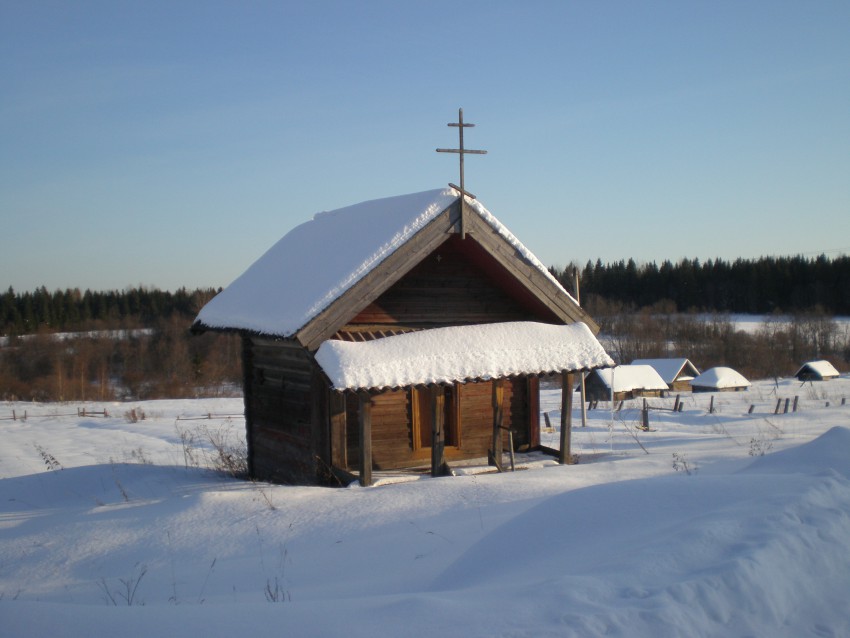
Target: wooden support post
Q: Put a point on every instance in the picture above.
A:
(827, 404)
(365, 438)
(676, 404)
(645, 417)
(511, 448)
(778, 404)
(339, 434)
(711, 405)
(752, 407)
(566, 457)
(498, 415)
(548, 422)
(438, 438)
(583, 399)
(787, 404)
(843, 402)
(796, 399)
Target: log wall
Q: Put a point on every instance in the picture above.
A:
(279, 407)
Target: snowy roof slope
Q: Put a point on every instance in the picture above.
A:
(318, 261)
(720, 377)
(670, 369)
(460, 353)
(824, 369)
(633, 377)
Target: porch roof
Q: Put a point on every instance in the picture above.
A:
(461, 353)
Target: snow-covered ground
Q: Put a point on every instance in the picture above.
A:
(710, 524)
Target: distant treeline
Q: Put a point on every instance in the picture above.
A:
(127, 345)
(761, 286)
(73, 310)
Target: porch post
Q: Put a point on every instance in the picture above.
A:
(566, 456)
(438, 434)
(496, 451)
(365, 438)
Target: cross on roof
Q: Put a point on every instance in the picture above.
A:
(461, 151)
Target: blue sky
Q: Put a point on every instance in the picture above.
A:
(171, 143)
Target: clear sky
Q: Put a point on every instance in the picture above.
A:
(170, 144)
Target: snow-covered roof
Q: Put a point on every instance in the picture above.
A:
(318, 261)
(720, 377)
(633, 377)
(461, 353)
(671, 369)
(824, 369)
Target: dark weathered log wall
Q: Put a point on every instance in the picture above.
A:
(279, 411)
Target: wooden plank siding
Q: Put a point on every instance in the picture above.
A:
(452, 286)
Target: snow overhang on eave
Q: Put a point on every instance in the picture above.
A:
(459, 354)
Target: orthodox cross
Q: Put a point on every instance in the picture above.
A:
(460, 124)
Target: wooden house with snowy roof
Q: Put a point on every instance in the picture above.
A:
(397, 333)
(676, 372)
(720, 379)
(624, 382)
(821, 370)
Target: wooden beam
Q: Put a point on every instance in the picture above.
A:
(365, 438)
(566, 457)
(498, 417)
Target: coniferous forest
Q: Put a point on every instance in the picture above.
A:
(135, 344)
(766, 285)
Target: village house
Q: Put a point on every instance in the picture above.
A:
(816, 371)
(676, 373)
(404, 332)
(624, 382)
(720, 379)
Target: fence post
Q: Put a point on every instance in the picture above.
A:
(752, 407)
(787, 402)
(778, 403)
(796, 398)
(711, 405)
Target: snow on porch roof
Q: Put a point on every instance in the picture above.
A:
(317, 262)
(461, 353)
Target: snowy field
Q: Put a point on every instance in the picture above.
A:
(723, 524)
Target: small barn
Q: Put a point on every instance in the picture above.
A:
(816, 371)
(720, 379)
(402, 332)
(677, 373)
(628, 382)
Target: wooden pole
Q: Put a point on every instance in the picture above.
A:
(711, 405)
(438, 439)
(566, 457)
(583, 401)
(498, 413)
(365, 438)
